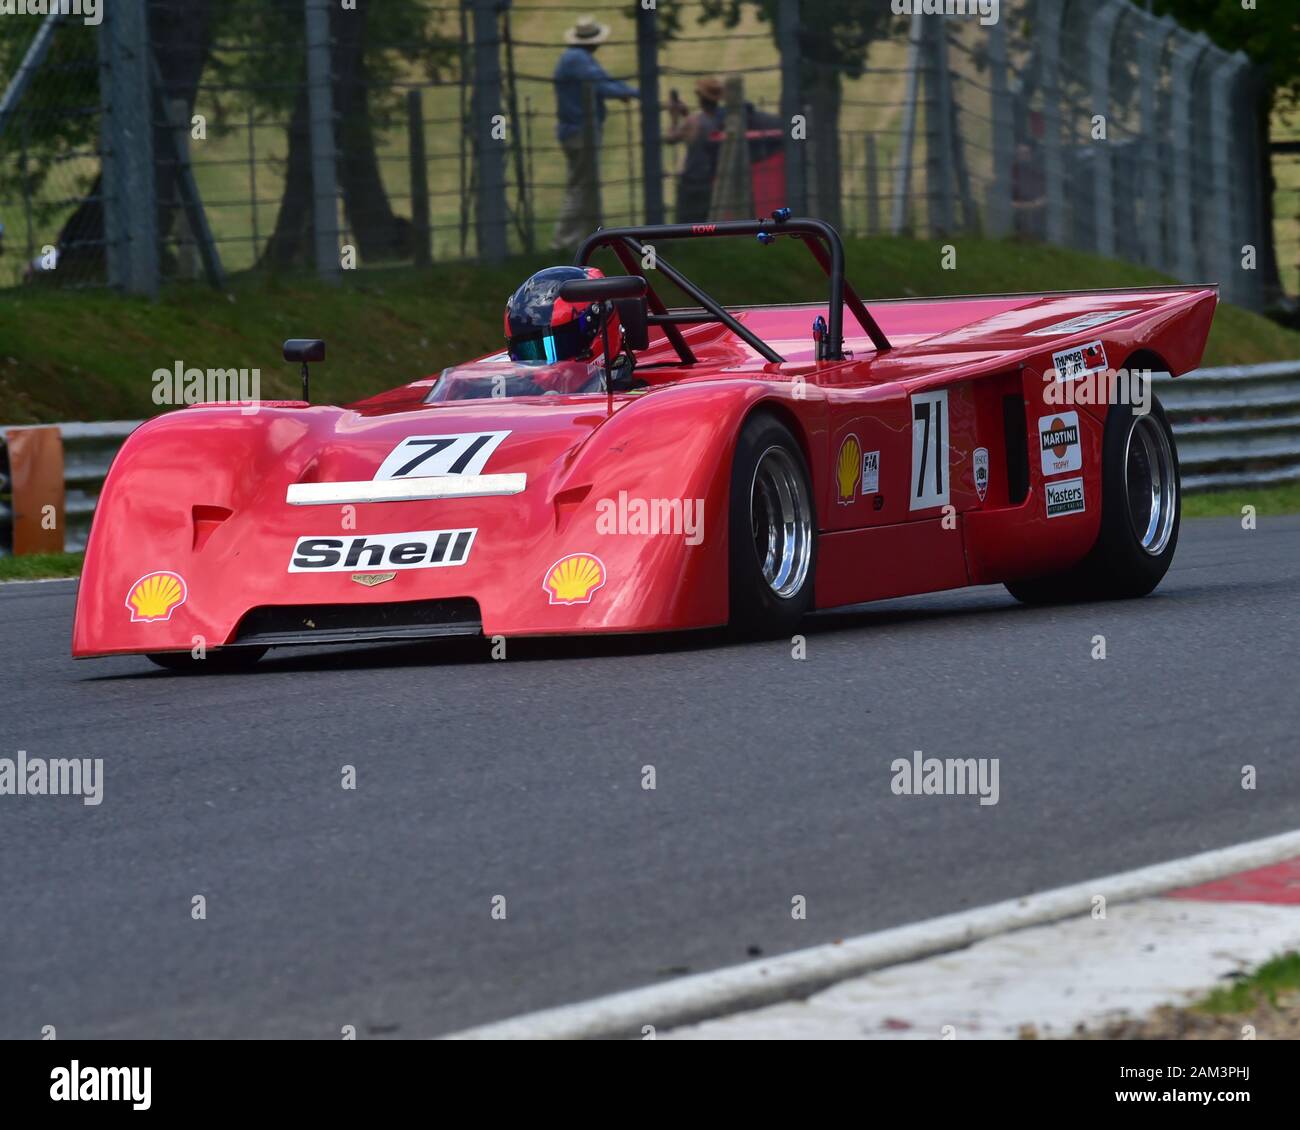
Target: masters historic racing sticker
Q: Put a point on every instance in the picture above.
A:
(1058, 439)
(1064, 496)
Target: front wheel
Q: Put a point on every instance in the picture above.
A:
(773, 530)
(1141, 507)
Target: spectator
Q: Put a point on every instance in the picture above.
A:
(580, 214)
(700, 132)
(700, 159)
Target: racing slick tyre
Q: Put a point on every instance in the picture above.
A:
(1141, 505)
(773, 531)
(222, 661)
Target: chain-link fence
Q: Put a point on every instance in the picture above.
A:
(186, 139)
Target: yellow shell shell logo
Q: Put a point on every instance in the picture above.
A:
(573, 579)
(848, 469)
(155, 597)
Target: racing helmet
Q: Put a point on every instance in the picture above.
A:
(543, 327)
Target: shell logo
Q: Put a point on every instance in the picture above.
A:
(848, 469)
(574, 579)
(156, 596)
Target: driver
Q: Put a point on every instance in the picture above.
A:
(545, 329)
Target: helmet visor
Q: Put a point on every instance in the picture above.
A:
(562, 343)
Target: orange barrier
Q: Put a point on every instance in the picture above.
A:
(36, 475)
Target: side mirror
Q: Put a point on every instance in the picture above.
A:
(304, 349)
(632, 316)
(603, 290)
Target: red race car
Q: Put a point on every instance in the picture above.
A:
(626, 467)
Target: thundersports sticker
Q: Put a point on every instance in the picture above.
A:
(1080, 361)
(1064, 496)
(1058, 440)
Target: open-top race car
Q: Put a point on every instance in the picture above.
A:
(626, 467)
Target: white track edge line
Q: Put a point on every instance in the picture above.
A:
(702, 996)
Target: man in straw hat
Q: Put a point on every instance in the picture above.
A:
(700, 160)
(580, 214)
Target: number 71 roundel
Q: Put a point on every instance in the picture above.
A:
(929, 450)
(465, 453)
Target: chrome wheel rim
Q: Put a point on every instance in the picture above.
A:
(1150, 484)
(780, 518)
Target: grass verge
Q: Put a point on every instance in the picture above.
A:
(1283, 499)
(40, 566)
(91, 355)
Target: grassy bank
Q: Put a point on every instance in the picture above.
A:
(40, 566)
(91, 354)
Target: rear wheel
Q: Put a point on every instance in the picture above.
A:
(221, 661)
(1141, 507)
(773, 529)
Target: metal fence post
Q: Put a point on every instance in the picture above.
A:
(873, 185)
(129, 189)
(796, 183)
(999, 201)
(419, 176)
(491, 211)
(1224, 258)
(907, 141)
(1049, 51)
(324, 169)
(1187, 54)
(1151, 41)
(939, 180)
(1101, 40)
(652, 164)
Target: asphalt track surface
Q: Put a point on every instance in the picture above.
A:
(522, 778)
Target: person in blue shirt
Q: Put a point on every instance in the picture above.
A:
(580, 213)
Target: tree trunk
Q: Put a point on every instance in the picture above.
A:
(291, 241)
(824, 94)
(181, 34)
(379, 232)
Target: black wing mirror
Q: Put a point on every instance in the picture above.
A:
(304, 349)
(603, 290)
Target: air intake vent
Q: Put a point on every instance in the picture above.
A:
(276, 626)
(1015, 429)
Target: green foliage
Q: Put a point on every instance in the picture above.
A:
(1268, 33)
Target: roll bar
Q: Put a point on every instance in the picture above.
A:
(822, 240)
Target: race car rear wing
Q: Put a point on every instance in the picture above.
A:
(822, 240)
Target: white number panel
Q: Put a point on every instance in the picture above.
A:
(423, 456)
(929, 450)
